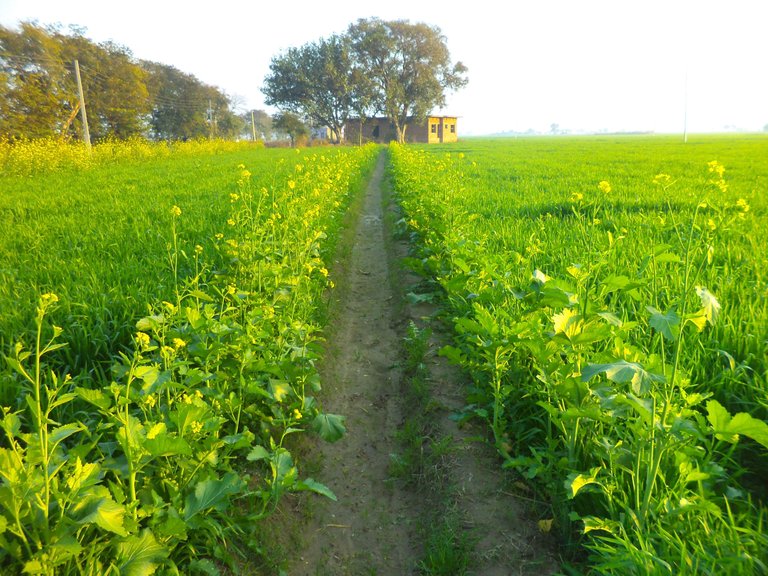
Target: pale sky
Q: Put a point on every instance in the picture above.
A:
(582, 64)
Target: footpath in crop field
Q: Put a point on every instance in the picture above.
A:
(416, 494)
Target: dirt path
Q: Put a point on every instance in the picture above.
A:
(382, 525)
(369, 529)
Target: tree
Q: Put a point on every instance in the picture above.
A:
(409, 65)
(291, 125)
(185, 108)
(315, 82)
(37, 91)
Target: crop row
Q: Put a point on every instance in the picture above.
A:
(167, 458)
(615, 335)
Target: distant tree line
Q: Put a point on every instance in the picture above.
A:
(124, 96)
(393, 68)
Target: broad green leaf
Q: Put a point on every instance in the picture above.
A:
(34, 567)
(593, 523)
(96, 397)
(131, 437)
(150, 323)
(718, 417)
(200, 295)
(187, 414)
(257, 453)
(83, 476)
(11, 466)
(330, 427)
(212, 494)
(3, 524)
(279, 389)
(668, 324)
(746, 425)
(104, 512)
(557, 297)
(283, 470)
(622, 371)
(147, 374)
(668, 257)
(140, 555)
(539, 277)
(611, 318)
(576, 482)
(709, 304)
(453, 354)
(173, 526)
(567, 322)
(317, 487)
(167, 445)
(698, 319)
(729, 428)
(63, 432)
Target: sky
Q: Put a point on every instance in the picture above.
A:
(586, 65)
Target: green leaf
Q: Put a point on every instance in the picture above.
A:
(611, 318)
(150, 323)
(668, 324)
(279, 389)
(453, 354)
(330, 427)
(709, 304)
(622, 371)
(200, 295)
(34, 567)
(96, 397)
(104, 512)
(283, 470)
(316, 487)
(729, 428)
(140, 555)
(567, 322)
(173, 526)
(167, 445)
(212, 494)
(257, 453)
(593, 523)
(63, 432)
(83, 476)
(576, 482)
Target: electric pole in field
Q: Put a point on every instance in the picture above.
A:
(86, 132)
(253, 127)
(685, 107)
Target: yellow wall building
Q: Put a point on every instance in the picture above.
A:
(434, 130)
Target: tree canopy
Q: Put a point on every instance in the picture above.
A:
(400, 69)
(124, 97)
(409, 65)
(314, 81)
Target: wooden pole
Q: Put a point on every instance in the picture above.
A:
(84, 115)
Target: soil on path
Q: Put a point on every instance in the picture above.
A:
(379, 524)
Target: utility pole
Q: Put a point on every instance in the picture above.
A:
(86, 132)
(210, 120)
(685, 107)
(253, 127)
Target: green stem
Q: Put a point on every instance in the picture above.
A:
(42, 426)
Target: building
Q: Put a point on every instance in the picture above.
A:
(432, 130)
